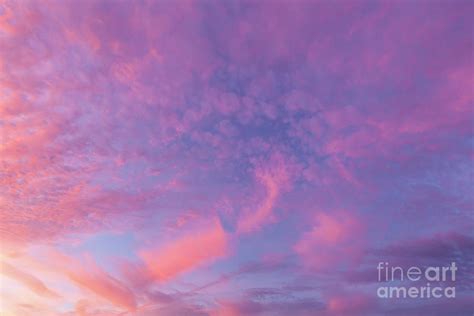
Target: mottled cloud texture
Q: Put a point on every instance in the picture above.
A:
(232, 157)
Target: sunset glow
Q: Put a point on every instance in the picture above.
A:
(227, 158)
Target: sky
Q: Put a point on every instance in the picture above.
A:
(226, 158)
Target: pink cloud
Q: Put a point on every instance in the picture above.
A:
(263, 213)
(187, 252)
(123, 116)
(350, 304)
(88, 275)
(275, 178)
(330, 243)
(27, 279)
